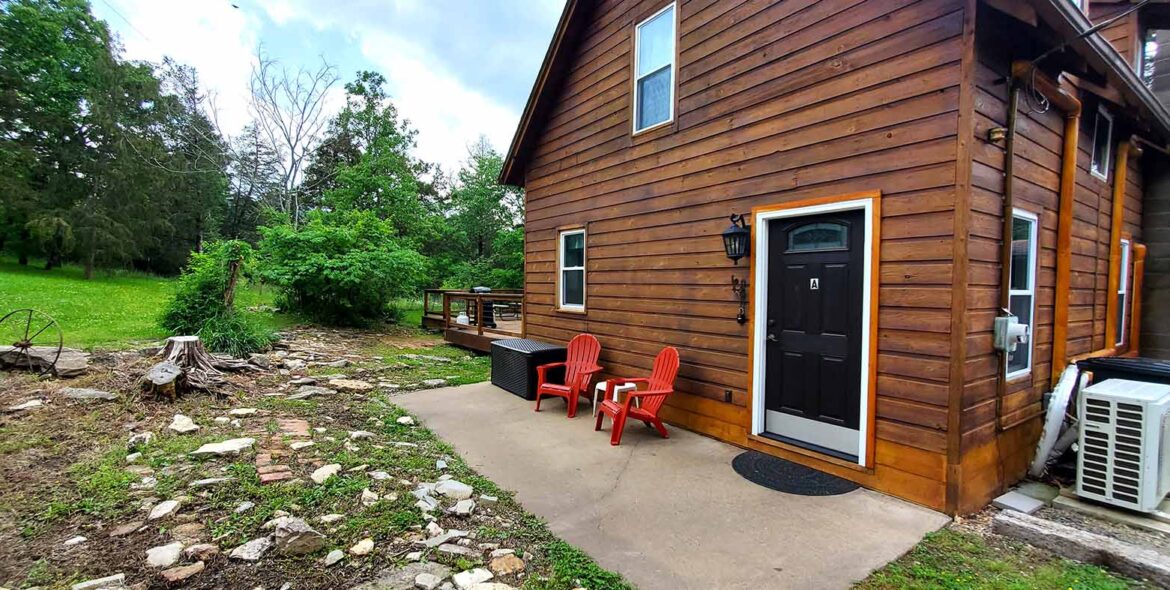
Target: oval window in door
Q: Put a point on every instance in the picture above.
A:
(818, 235)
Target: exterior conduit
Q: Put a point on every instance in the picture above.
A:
(1022, 71)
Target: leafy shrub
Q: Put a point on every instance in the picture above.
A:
(340, 268)
(200, 296)
(201, 307)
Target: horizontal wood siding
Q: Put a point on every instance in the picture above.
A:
(1009, 424)
(1123, 34)
(777, 102)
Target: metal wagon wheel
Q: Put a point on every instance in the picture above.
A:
(29, 329)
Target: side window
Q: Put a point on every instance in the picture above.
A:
(571, 270)
(654, 70)
(1022, 301)
(1102, 144)
(1123, 295)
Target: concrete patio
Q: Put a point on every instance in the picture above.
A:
(667, 514)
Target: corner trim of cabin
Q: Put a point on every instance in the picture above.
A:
(869, 201)
(1120, 178)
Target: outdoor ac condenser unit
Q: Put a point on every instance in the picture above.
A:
(1124, 456)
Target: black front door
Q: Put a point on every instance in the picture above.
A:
(813, 328)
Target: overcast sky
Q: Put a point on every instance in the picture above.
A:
(455, 68)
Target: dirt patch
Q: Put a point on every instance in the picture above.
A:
(69, 471)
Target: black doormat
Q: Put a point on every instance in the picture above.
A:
(785, 476)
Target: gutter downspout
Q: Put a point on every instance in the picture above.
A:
(1066, 102)
(1120, 178)
(1135, 319)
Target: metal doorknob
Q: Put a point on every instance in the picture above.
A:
(772, 338)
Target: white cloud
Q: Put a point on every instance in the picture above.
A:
(449, 116)
(214, 38)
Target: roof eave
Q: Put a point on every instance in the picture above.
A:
(1101, 53)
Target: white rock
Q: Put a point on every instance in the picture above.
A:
(31, 404)
(114, 582)
(360, 434)
(75, 541)
(434, 382)
(245, 506)
(443, 538)
(405, 421)
(163, 509)
(363, 547)
(369, 498)
(133, 457)
(183, 424)
(228, 447)
(242, 411)
(465, 580)
(323, 473)
(252, 550)
(236, 423)
(164, 556)
(330, 518)
(502, 552)
(222, 419)
(487, 500)
(334, 556)
(427, 581)
(463, 508)
(379, 475)
(414, 556)
(83, 393)
(433, 529)
(211, 481)
(295, 537)
(440, 464)
(454, 489)
(301, 444)
(139, 440)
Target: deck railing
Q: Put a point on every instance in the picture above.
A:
(507, 307)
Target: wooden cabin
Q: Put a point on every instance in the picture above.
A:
(879, 151)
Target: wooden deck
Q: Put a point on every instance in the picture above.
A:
(507, 312)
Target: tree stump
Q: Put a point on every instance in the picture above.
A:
(196, 365)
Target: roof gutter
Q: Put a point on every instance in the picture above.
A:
(1105, 53)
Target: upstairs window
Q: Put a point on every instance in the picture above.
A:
(654, 70)
(1102, 144)
(1022, 300)
(571, 271)
(1123, 294)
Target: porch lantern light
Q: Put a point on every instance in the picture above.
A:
(737, 238)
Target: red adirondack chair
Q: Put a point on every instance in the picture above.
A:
(659, 385)
(580, 366)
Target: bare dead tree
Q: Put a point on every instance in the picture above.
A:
(289, 109)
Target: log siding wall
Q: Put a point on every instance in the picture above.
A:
(999, 432)
(777, 102)
(783, 101)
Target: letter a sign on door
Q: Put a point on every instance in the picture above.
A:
(814, 284)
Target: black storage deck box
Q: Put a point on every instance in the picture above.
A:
(514, 363)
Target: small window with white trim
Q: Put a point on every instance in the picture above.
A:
(1123, 294)
(654, 70)
(1102, 144)
(571, 270)
(1022, 292)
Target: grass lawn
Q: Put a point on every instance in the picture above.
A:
(953, 559)
(112, 310)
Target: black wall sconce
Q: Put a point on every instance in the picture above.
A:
(740, 288)
(737, 239)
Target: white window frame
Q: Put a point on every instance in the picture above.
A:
(1107, 159)
(1123, 290)
(1033, 241)
(673, 67)
(561, 268)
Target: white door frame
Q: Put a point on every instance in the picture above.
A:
(759, 222)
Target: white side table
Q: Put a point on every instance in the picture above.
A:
(599, 391)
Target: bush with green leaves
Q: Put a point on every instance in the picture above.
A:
(341, 268)
(203, 305)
